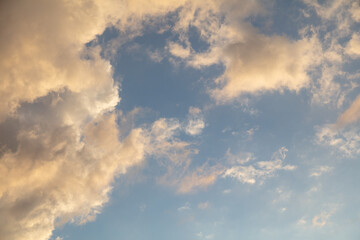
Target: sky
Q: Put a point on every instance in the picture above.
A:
(179, 119)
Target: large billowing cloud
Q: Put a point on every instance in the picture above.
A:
(253, 62)
(60, 147)
(60, 171)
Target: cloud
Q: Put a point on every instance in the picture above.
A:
(186, 207)
(195, 123)
(203, 205)
(317, 172)
(353, 46)
(175, 156)
(253, 62)
(344, 141)
(227, 191)
(260, 63)
(355, 11)
(43, 49)
(322, 219)
(62, 169)
(178, 51)
(200, 178)
(57, 104)
(259, 171)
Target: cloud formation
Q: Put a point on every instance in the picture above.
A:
(62, 165)
(60, 147)
(261, 170)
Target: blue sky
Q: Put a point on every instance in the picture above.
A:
(179, 120)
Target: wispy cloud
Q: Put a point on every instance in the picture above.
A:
(259, 171)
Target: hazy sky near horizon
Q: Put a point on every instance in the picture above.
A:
(179, 119)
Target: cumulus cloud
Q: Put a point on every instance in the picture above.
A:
(62, 167)
(353, 46)
(259, 63)
(253, 62)
(59, 146)
(355, 11)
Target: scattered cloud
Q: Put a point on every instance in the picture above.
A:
(322, 219)
(202, 236)
(203, 205)
(227, 191)
(351, 115)
(142, 207)
(186, 207)
(261, 170)
(318, 171)
(195, 123)
(353, 46)
(344, 141)
(301, 221)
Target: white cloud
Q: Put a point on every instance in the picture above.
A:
(178, 51)
(322, 219)
(301, 222)
(195, 123)
(259, 63)
(259, 171)
(227, 191)
(345, 141)
(203, 205)
(186, 207)
(318, 171)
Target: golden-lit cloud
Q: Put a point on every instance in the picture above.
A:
(259, 63)
(351, 115)
(254, 63)
(62, 167)
(353, 46)
(60, 147)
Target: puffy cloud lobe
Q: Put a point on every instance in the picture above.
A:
(253, 62)
(61, 170)
(353, 46)
(60, 148)
(355, 11)
(41, 50)
(351, 115)
(261, 63)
